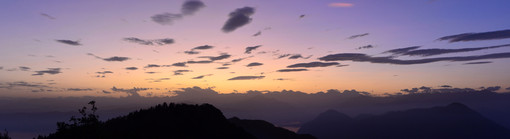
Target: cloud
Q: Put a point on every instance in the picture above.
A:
(51, 71)
(199, 62)
(340, 5)
(365, 47)
(23, 68)
(24, 84)
(131, 68)
(296, 56)
(152, 66)
(149, 42)
(69, 42)
(106, 92)
(402, 50)
(282, 79)
(221, 57)
(291, 70)
(159, 80)
(478, 36)
(166, 18)
(191, 52)
(475, 63)
(357, 36)
(151, 72)
(491, 88)
(222, 68)
(239, 59)
(48, 16)
(190, 7)
(312, 65)
(253, 64)
(238, 18)
(104, 72)
(1, 68)
(179, 72)
(130, 92)
(283, 56)
(203, 47)
(358, 57)
(79, 89)
(247, 77)
(257, 34)
(179, 64)
(116, 58)
(249, 49)
(432, 52)
(508, 88)
(201, 76)
(446, 86)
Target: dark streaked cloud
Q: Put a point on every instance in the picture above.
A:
(432, 52)
(51, 71)
(179, 64)
(222, 68)
(152, 66)
(313, 64)
(48, 16)
(151, 72)
(357, 36)
(190, 7)
(106, 92)
(365, 47)
(79, 89)
(166, 18)
(199, 62)
(163, 41)
(402, 50)
(291, 70)
(476, 63)
(201, 76)
(203, 47)
(253, 64)
(116, 58)
(221, 57)
(104, 72)
(247, 77)
(358, 57)
(23, 68)
(159, 80)
(251, 48)
(257, 34)
(131, 68)
(282, 79)
(23, 84)
(238, 18)
(478, 36)
(191, 52)
(296, 56)
(239, 59)
(69, 42)
(179, 72)
(283, 56)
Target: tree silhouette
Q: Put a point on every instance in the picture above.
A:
(86, 119)
(5, 135)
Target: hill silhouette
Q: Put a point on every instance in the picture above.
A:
(265, 130)
(172, 120)
(452, 121)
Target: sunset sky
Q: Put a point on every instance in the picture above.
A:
(55, 48)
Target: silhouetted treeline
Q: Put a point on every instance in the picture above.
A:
(176, 121)
(455, 121)
(4, 135)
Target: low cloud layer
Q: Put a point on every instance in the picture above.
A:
(478, 36)
(247, 77)
(238, 18)
(254, 64)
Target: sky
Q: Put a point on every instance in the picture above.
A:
(57, 48)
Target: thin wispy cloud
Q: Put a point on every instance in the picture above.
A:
(131, 68)
(166, 18)
(359, 35)
(251, 48)
(477, 36)
(160, 42)
(340, 4)
(313, 65)
(247, 78)
(254, 64)
(291, 70)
